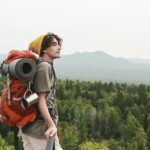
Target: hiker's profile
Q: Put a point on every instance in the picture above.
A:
(39, 132)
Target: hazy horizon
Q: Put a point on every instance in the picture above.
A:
(80, 52)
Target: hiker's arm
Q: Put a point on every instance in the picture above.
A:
(45, 113)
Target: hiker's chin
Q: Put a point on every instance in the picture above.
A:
(57, 56)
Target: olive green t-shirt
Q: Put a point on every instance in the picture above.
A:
(44, 81)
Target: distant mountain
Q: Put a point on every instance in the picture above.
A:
(101, 66)
(140, 61)
(2, 57)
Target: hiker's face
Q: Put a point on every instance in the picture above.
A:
(54, 50)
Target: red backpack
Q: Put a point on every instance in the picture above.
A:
(11, 109)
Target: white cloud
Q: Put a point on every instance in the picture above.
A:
(121, 28)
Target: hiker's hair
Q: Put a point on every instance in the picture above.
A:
(47, 41)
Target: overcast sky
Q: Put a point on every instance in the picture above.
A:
(118, 27)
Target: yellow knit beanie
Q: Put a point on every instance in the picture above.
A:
(36, 44)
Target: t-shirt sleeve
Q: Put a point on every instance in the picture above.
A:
(42, 81)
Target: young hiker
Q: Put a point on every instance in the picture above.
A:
(43, 131)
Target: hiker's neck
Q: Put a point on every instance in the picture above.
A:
(47, 58)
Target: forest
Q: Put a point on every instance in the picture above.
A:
(97, 116)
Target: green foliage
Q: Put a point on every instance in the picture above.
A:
(88, 145)
(110, 122)
(68, 136)
(2, 81)
(4, 129)
(103, 111)
(115, 145)
(4, 145)
(89, 112)
(10, 138)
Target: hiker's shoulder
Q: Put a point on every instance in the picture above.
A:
(43, 65)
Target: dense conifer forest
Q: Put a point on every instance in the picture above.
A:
(98, 116)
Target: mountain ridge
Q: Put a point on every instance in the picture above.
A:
(99, 65)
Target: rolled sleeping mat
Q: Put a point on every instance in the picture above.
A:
(3, 68)
(22, 68)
